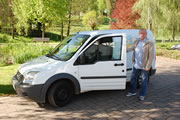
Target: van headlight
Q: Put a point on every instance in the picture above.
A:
(30, 76)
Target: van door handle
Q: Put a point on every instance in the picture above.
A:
(121, 64)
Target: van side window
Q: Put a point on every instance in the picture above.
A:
(104, 49)
(90, 55)
(110, 48)
(117, 48)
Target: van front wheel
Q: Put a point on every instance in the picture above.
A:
(60, 94)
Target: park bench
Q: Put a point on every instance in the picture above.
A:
(41, 39)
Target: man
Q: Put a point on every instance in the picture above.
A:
(143, 53)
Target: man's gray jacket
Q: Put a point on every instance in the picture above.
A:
(148, 53)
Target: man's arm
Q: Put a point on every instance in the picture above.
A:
(130, 48)
(150, 56)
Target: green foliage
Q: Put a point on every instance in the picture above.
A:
(22, 10)
(163, 49)
(160, 16)
(103, 27)
(101, 6)
(5, 38)
(21, 52)
(165, 45)
(106, 20)
(38, 11)
(0, 24)
(57, 9)
(6, 15)
(35, 16)
(109, 6)
(174, 54)
(91, 19)
(80, 6)
(92, 5)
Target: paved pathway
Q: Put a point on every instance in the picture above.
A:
(162, 101)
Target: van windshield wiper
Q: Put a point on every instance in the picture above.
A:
(52, 56)
(56, 57)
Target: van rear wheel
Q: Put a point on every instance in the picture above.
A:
(60, 94)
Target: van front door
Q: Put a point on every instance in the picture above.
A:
(102, 64)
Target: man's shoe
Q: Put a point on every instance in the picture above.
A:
(130, 94)
(141, 98)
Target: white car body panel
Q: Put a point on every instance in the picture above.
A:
(49, 67)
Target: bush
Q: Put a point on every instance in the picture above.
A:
(4, 38)
(164, 49)
(175, 54)
(92, 19)
(20, 53)
(165, 45)
(106, 20)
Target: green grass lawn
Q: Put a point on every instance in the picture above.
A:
(165, 45)
(174, 54)
(6, 74)
(5, 38)
(164, 49)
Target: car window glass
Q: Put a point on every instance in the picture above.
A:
(90, 55)
(104, 49)
(109, 48)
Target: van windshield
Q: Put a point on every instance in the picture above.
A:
(68, 47)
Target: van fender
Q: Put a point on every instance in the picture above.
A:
(59, 77)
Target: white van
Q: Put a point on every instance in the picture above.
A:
(84, 61)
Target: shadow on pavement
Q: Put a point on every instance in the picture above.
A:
(162, 102)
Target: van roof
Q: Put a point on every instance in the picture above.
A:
(98, 32)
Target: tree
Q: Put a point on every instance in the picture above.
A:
(172, 14)
(69, 17)
(6, 15)
(92, 20)
(59, 12)
(101, 6)
(160, 16)
(123, 16)
(92, 5)
(110, 6)
(79, 7)
(31, 11)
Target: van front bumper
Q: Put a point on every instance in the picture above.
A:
(32, 92)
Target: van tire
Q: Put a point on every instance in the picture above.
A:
(60, 94)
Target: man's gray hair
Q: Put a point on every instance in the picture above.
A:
(143, 29)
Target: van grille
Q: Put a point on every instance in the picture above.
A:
(19, 77)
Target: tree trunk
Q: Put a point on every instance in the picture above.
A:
(39, 31)
(69, 18)
(12, 31)
(173, 33)
(62, 29)
(43, 31)
(109, 7)
(149, 19)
